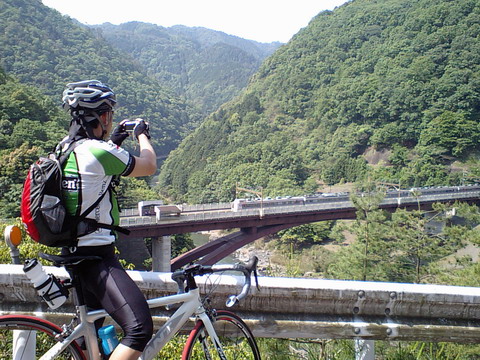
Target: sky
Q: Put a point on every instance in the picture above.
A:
(259, 20)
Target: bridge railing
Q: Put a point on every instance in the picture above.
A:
(206, 207)
(301, 308)
(206, 215)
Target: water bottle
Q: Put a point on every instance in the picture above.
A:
(109, 338)
(47, 285)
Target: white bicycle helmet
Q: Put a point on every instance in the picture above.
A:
(88, 95)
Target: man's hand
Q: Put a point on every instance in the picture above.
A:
(119, 134)
(141, 128)
(146, 162)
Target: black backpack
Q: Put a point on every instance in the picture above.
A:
(43, 208)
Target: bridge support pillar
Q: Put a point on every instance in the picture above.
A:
(364, 349)
(161, 253)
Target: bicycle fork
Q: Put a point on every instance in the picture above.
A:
(208, 322)
(191, 305)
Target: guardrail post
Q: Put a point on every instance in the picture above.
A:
(161, 253)
(24, 341)
(24, 344)
(364, 349)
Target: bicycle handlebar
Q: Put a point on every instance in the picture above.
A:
(187, 275)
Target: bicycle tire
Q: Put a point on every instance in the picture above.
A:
(236, 338)
(44, 331)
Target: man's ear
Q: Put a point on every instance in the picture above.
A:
(104, 118)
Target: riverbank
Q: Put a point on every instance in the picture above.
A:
(245, 253)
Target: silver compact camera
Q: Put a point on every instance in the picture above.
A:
(130, 125)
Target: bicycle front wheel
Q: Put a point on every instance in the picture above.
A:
(25, 337)
(237, 341)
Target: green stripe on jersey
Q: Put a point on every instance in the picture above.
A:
(71, 193)
(115, 213)
(111, 164)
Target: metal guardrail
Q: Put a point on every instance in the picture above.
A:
(204, 216)
(302, 308)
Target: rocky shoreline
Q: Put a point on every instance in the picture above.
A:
(245, 253)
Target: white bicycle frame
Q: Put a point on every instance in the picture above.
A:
(191, 305)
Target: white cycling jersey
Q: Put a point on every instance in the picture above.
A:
(87, 174)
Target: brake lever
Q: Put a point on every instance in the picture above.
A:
(255, 274)
(252, 267)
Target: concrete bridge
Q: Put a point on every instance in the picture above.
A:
(257, 223)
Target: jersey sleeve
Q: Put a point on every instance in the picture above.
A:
(113, 159)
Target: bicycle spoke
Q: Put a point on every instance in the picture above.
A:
(236, 341)
(27, 338)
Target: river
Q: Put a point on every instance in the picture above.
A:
(202, 238)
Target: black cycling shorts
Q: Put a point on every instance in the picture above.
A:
(107, 285)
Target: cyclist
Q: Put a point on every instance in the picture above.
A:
(88, 174)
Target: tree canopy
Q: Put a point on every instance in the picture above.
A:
(204, 66)
(396, 75)
(46, 50)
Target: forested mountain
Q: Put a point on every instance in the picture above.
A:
(399, 79)
(29, 123)
(207, 67)
(41, 51)
(46, 50)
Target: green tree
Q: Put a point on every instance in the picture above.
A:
(131, 191)
(453, 133)
(13, 170)
(369, 256)
(304, 236)
(181, 244)
(28, 248)
(416, 247)
(369, 229)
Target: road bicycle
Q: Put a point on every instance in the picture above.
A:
(216, 334)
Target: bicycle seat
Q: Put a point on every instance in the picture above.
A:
(68, 260)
